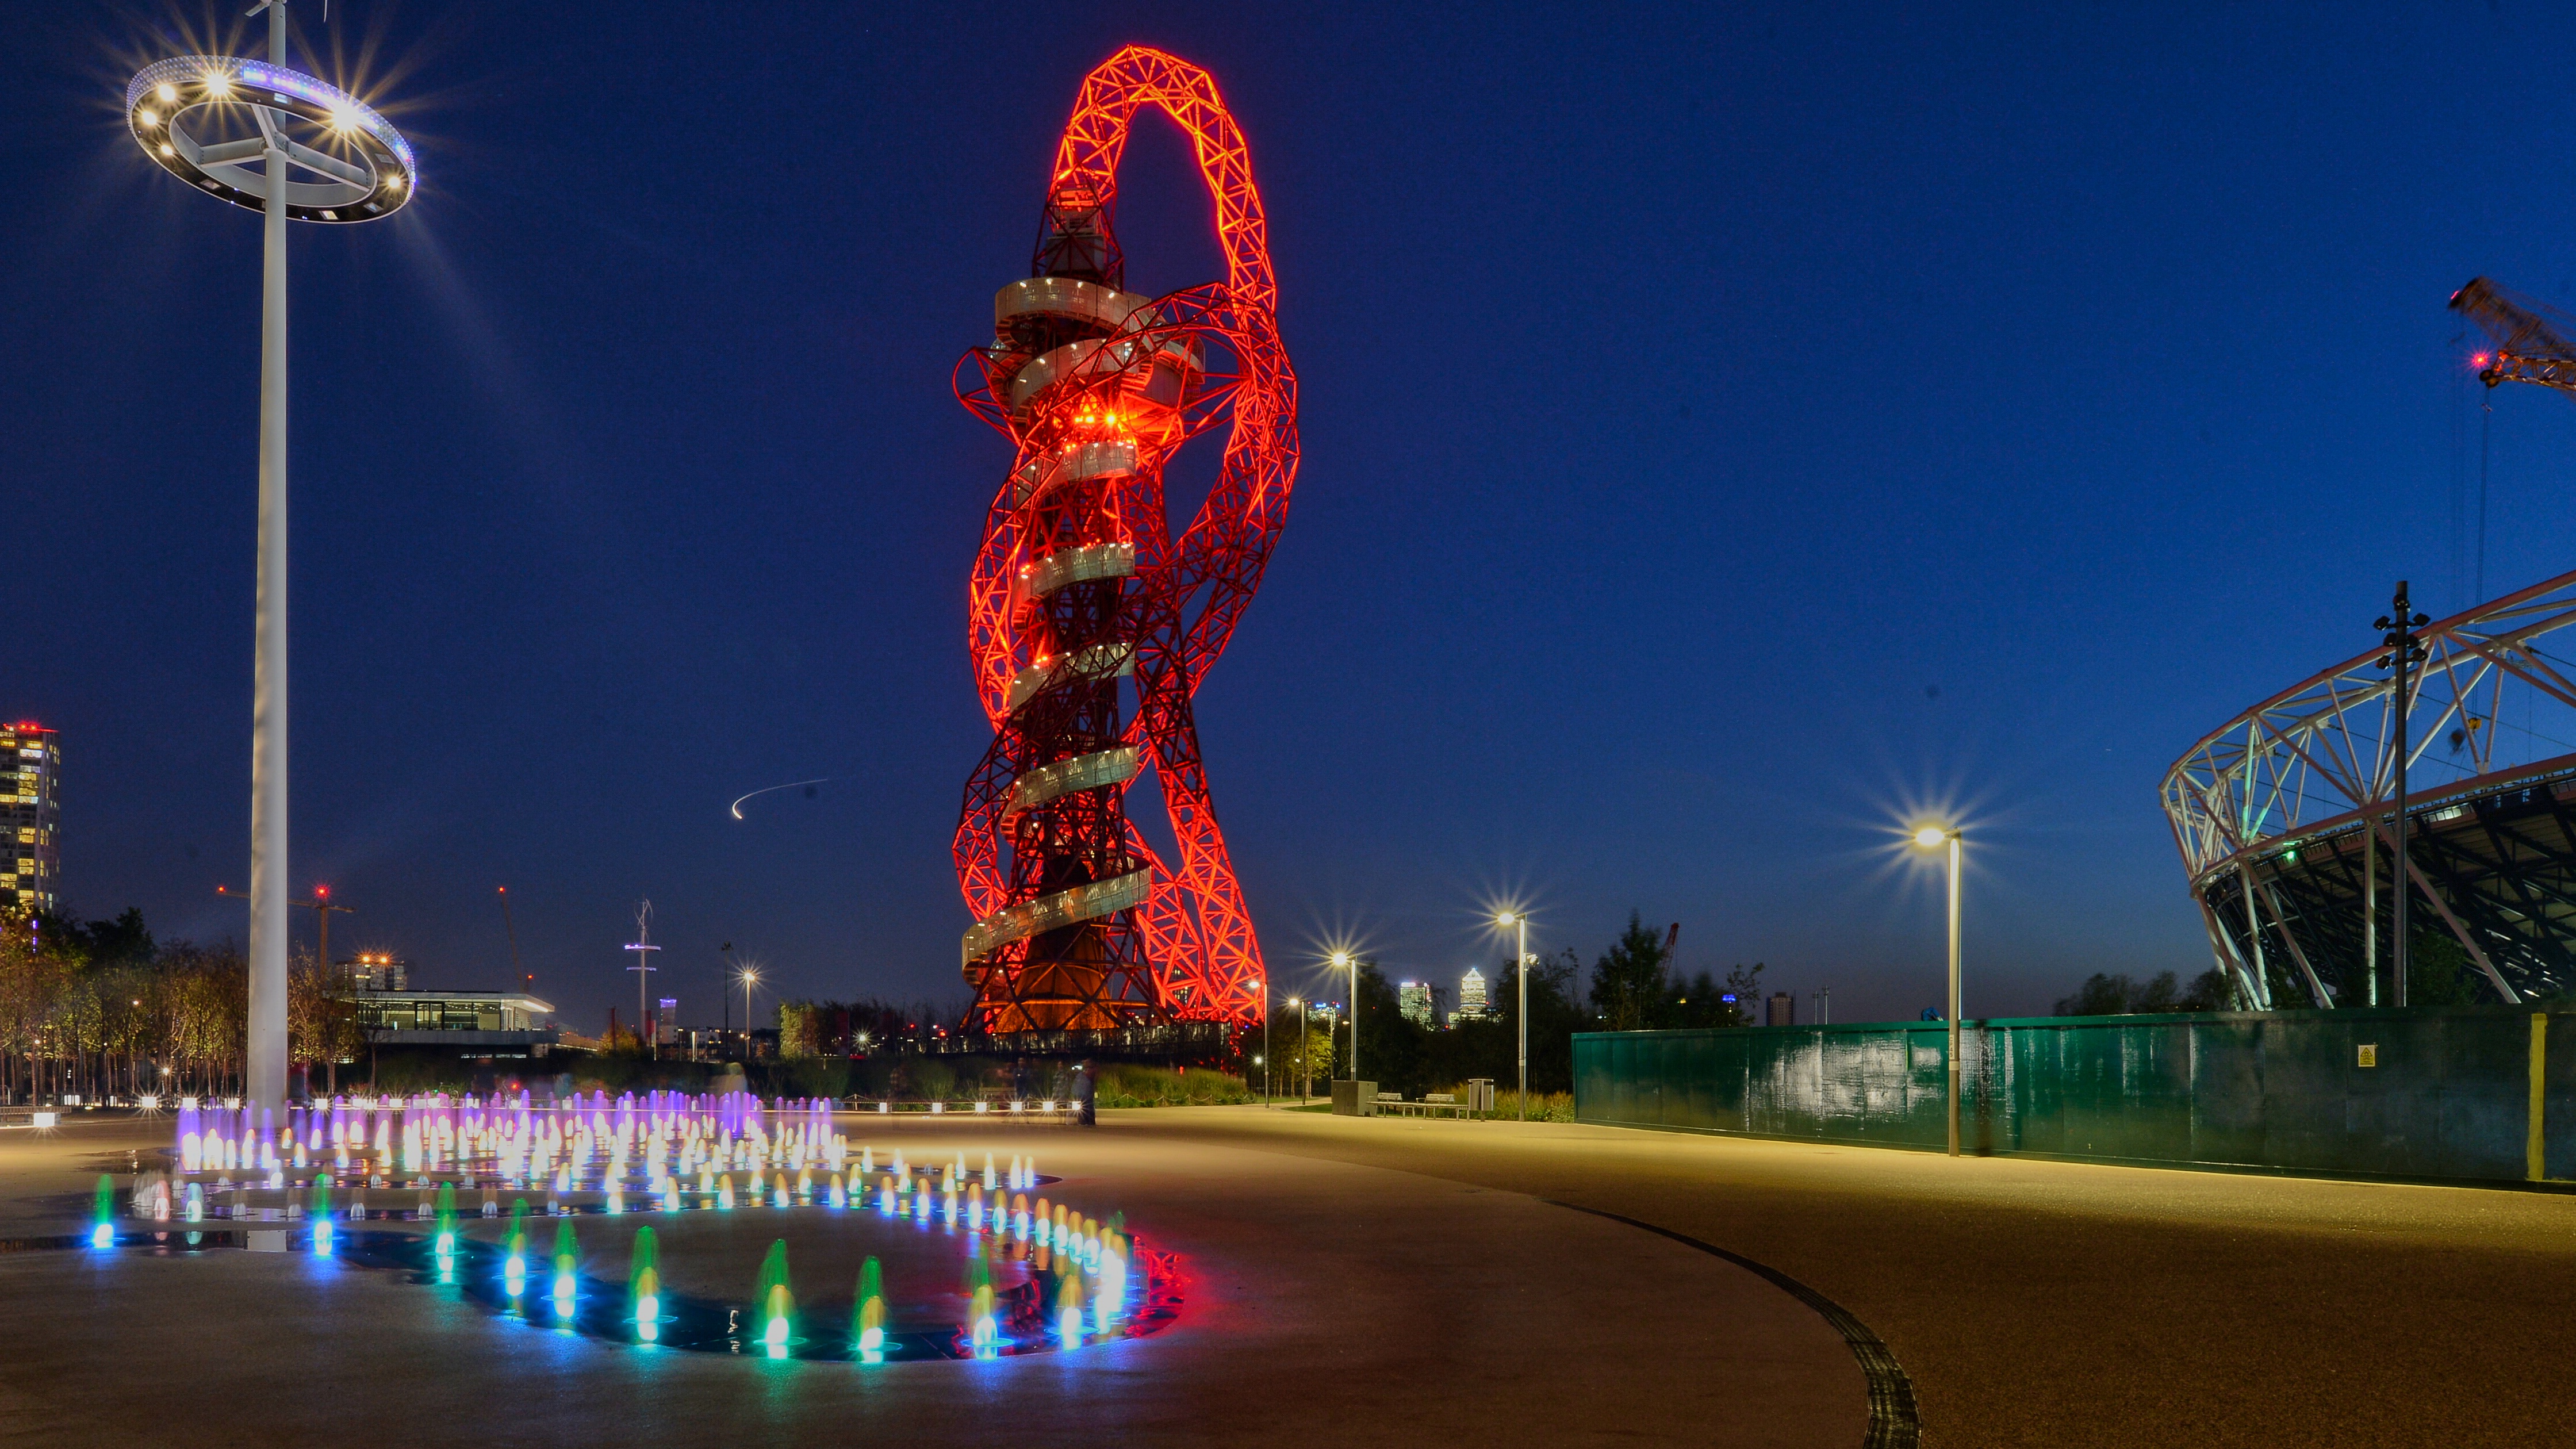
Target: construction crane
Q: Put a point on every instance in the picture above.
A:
(2530, 339)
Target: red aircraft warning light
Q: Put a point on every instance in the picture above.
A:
(1081, 584)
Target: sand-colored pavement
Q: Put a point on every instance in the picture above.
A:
(2036, 1303)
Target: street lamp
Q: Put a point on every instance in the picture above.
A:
(1305, 1061)
(1342, 959)
(749, 977)
(186, 113)
(1265, 1041)
(1933, 837)
(1520, 970)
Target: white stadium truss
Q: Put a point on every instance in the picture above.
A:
(2267, 810)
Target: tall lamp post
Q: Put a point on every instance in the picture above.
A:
(1520, 972)
(643, 969)
(1341, 960)
(2404, 653)
(749, 977)
(1265, 1041)
(207, 119)
(1933, 837)
(1305, 1062)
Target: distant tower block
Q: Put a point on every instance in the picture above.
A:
(1471, 993)
(30, 857)
(1413, 1002)
(1090, 624)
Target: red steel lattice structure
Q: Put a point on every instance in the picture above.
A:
(1091, 624)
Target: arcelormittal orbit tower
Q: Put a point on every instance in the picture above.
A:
(1092, 623)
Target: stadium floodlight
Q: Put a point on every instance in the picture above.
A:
(2400, 624)
(208, 120)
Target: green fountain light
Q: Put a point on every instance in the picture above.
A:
(773, 1301)
(870, 1319)
(644, 1285)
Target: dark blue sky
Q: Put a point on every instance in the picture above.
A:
(1688, 396)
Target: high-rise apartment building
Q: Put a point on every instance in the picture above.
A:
(1413, 1002)
(30, 759)
(1471, 993)
(666, 1021)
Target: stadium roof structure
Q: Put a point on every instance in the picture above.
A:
(2269, 812)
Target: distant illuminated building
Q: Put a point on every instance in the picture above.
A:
(666, 1021)
(378, 971)
(30, 757)
(1413, 1002)
(1471, 994)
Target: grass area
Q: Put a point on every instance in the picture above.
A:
(1122, 1084)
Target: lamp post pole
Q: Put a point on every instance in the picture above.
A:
(1954, 993)
(1265, 1041)
(268, 906)
(2400, 622)
(1305, 1059)
(1346, 959)
(1520, 972)
(1934, 837)
(643, 969)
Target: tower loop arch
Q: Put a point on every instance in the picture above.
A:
(1091, 620)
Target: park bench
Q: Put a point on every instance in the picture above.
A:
(1432, 1104)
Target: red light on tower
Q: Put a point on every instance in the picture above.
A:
(1082, 583)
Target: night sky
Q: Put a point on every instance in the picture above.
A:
(1727, 430)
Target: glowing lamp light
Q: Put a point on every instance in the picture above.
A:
(102, 1236)
(1068, 1326)
(872, 1340)
(1930, 837)
(321, 1237)
(219, 85)
(774, 1334)
(167, 92)
(145, 115)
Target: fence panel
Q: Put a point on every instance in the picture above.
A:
(2445, 1094)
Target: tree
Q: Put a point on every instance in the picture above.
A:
(2211, 990)
(1391, 1048)
(2438, 972)
(1301, 1057)
(1628, 981)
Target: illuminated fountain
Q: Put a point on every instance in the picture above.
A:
(666, 1153)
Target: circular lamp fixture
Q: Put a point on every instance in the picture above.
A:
(360, 170)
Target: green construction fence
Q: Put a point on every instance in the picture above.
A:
(2476, 1094)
